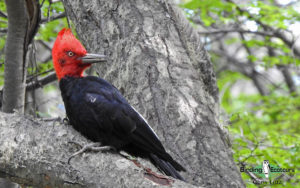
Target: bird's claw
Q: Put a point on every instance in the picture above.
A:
(96, 147)
(66, 121)
(127, 156)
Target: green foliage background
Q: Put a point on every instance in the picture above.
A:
(261, 127)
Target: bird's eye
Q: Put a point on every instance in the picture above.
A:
(70, 53)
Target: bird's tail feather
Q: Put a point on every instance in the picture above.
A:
(175, 164)
(166, 167)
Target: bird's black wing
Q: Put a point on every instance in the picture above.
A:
(106, 102)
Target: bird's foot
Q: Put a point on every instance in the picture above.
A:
(66, 121)
(96, 147)
(127, 156)
(51, 119)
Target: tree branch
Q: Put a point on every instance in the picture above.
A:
(31, 77)
(52, 18)
(285, 72)
(3, 15)
(31, 85)
(3, 30)
(41, 82)
(288, 79)
(44, 44)
(254, 74)
(35, 153)
(276, 32)
(235, 30)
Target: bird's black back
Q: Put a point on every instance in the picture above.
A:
(97, 109)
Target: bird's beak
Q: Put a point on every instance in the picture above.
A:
(93, 58)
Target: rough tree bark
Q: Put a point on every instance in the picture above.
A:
(35, 153)
(14, 74)
(156, 59)
(23, 20)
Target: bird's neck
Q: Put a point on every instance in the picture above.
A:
(70, 74)
(71, 71)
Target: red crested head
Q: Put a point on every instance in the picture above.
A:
(70, 57)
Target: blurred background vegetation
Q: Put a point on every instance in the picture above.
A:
(255, 49)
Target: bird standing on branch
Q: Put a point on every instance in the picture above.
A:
(97, 109)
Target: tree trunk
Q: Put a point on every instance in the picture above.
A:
(157, 61)
(15, 69)
(23, 21)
